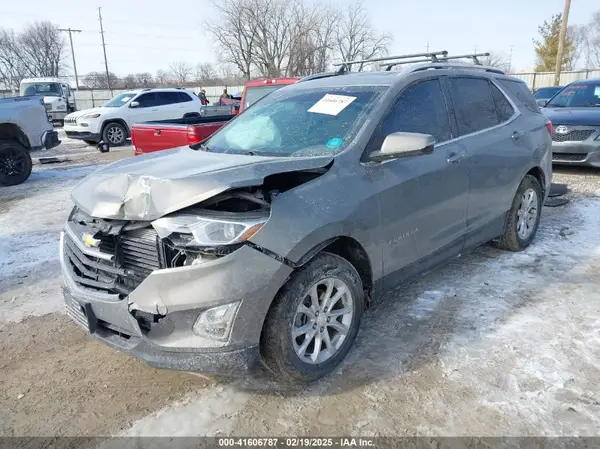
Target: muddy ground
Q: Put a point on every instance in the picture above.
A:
(494, 344)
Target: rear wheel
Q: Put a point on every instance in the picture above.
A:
(115, 134)
(15, 163)
(524, 216)
(314, 320)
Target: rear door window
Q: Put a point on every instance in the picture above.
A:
(503, 107)
(474, 104)
(421, 108)
(166, 98)
(520, 90)
(147, 100)
(183, 97)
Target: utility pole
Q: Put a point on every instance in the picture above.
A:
(70, 31)
(510, 59)
(104, 49)
(561, 42)
(427, 47)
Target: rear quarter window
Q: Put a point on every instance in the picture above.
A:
(521, 92)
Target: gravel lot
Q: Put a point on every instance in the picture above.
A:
(494, 344)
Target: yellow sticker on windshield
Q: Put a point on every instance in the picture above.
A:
(331, 104)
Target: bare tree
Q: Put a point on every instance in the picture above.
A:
(356, 38)
(163, 78)
(593, 41)
(496, 60)
(234, 33)
(205, 72)
(38, 50)
(144, 79)
(181, 72)
(97, 80)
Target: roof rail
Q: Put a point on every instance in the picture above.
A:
(454, 65)
(344, 66)
(317, 76)
(444, 58)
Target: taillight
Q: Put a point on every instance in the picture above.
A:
(192, 136)
(548, 124)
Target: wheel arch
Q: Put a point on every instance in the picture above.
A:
(538, 174)
(11, 131)
(120, 121)
(351, 250)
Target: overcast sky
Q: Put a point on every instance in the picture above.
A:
(149, 35)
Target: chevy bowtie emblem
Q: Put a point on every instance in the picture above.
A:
(89, 240)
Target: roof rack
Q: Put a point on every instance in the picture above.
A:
(472, 56)
(345, 66)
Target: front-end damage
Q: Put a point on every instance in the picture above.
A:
(186, 281)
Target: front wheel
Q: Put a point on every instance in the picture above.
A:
(313, 320)
(15, 164)
(524, 216)
(115, 134)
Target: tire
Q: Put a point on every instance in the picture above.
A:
(516, 238)
(15, 163)
(280, 350)
(115, 134)
(90, 142)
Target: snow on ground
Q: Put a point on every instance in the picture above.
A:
(496, 344)
(31, 216)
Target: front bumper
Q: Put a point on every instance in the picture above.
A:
(181, 294)
(83, 135)
(585, 152)
(56, 115)
(50, 139)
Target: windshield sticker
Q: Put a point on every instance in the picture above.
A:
(125, 99)
(331, 104)
(334, 143)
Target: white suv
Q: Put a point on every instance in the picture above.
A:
(112, 122)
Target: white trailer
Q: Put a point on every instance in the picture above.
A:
(58, 96)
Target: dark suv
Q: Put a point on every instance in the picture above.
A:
(575, 116)
(267, 241)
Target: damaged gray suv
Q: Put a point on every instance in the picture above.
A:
(265, 243)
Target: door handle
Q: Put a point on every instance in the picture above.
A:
(157, 132)
(516, 135)
(455, 158)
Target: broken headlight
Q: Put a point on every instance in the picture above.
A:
(210, 231)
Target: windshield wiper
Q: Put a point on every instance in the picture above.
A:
(201, 147)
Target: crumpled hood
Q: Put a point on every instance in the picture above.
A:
(150, 186)
(573, 116)
(78, 114)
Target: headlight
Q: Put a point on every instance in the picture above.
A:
(89, 116)
(209, 231)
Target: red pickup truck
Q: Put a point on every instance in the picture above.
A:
(164, 134)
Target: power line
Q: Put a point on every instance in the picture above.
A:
(70, 31)
(104, 48)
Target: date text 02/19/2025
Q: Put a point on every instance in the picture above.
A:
(291, 442)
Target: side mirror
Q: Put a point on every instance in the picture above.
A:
(542, 103)
(399, 145)
(134, 104)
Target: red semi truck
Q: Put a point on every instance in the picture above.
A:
(164, 134)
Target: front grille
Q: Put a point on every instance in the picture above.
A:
(569, 157)
(576, 135)
(70, 120)
(136, 255)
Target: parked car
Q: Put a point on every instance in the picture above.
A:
(268, 241)
(575, 115)
(256, 89)
(24, 126)
(113, 121)
(165, 134)
(544, 94)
